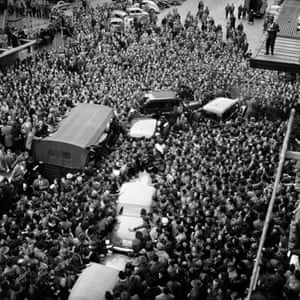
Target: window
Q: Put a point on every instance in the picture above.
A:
(66, 155)
(53, 153)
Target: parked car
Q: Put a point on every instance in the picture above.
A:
(118, 14)
(142, 128)
(137, 12)
(220, 108)
(175, 2)
(258, 6)
(159, 102)
(149, 5)
(116, 24)
(134, 197)
(162, 4)
(120, 21)
(61, 5)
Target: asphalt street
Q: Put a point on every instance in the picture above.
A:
(217, 11)
(254, 32)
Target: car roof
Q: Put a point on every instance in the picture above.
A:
(160, 95)
(134, 8)
(130, 193)
(219, 105)
(119, 12)
(143, 127)
(116, 20)
(60, 4)
(125, 222)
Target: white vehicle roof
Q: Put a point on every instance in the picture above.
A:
(141, 11)
(119, 13)
(126, 222)
(151, 5)
(93, 282)
(133, 197)
(116, 21)
(61, 5)
(137, 194)
(143, 128)
(219, 105)
(117, 261)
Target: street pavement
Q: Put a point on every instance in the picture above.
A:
(254, 32)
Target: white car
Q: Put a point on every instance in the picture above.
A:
(150, 6)
(118, 14)
(298, 23)
(137, 12)
(134, 195)
(61, 5)
(116, 24)
(142, 128)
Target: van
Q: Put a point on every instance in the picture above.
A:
(159, 102)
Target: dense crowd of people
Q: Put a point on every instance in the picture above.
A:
(213, 179)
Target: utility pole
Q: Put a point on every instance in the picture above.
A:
(283, 154)
(62, 37)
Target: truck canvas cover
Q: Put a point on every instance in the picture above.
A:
(68, 146)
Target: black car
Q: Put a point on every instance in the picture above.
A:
(159, 102)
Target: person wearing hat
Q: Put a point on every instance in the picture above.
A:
(165, 294)
(198, 290)
(40, 184)
(123, 282)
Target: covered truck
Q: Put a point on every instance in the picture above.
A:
(68, 149)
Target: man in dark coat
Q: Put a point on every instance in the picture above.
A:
(240, 11)
(232, 21)
(227, 10)
(272, 30)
